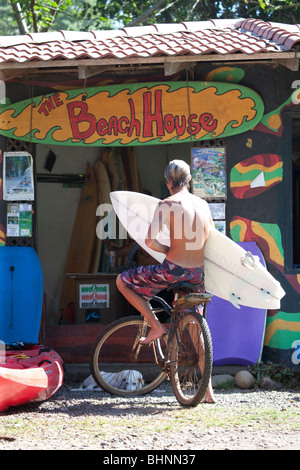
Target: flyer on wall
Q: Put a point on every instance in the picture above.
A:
(94, 296)
(18, 180)
(209, 172)
(217, 210)
(19, 220)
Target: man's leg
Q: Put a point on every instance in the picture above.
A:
(138, 302)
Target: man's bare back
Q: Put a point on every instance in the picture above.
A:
(189, 221)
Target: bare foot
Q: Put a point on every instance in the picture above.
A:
(209, 395)
(208, 399)
(154, 333)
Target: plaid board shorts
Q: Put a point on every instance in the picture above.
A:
(147, 281)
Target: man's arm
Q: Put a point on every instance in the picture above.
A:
(155, 227)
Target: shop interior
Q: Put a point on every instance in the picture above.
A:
(57, 202)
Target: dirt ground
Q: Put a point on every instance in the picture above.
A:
(94, 420)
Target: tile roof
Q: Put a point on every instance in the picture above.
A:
(247, 36)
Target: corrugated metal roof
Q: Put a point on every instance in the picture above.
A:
(218, 36)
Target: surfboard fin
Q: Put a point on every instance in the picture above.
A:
(234, 299)
(249, 261)
(266, 295)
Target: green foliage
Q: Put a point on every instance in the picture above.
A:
(40, 14)
(166, 11)
(45, 15)
(170, 11)
(8, 25)
(277, 372)
(18, 17)
(227, 385)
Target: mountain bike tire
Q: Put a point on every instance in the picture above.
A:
(189, 380)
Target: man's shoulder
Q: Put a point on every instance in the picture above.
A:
(169, 201)
(199, 200)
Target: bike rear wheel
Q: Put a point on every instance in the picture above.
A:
(191, 359)
(134, 370)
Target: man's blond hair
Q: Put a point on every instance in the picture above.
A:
(178, 172)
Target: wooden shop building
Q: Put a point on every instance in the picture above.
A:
(101, 111)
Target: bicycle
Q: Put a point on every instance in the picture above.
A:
(122, 366)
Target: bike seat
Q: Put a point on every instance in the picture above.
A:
(182, 286)
(192, 300)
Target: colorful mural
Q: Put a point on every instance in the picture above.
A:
(269, 239)
(2, 235)
(272, 123)
(262, 219)
(1, 179)
(254, 175)
(225, 74)
(282, 330)
(2, 229)
(134, 114)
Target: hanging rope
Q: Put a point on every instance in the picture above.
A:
(31, 115)
(188, 96)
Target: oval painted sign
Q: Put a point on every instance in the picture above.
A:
(134, 114)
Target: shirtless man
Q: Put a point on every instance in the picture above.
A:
(189, 221)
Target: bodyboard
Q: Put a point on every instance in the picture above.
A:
(21, 294)
(237, 335)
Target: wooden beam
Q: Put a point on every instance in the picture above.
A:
(291, 64)
(91, 71)
(38, 64)
(12, 73)
(174, 67)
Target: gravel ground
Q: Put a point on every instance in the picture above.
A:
(94, 420)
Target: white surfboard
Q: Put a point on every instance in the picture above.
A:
(230, 272)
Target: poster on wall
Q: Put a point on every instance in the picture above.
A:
(18, 182)
(19, 220)
(217, 210)
(218, 214)
(220, 225)
(209, 172)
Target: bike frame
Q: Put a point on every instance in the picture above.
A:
(160, 359)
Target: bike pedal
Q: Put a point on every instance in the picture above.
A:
(169, 363)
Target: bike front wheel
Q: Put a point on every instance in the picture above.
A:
(191, 359)
(122, 366)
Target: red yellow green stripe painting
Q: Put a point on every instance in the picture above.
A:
(269, 240)
(255, 175)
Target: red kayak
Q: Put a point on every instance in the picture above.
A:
(29, 375)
